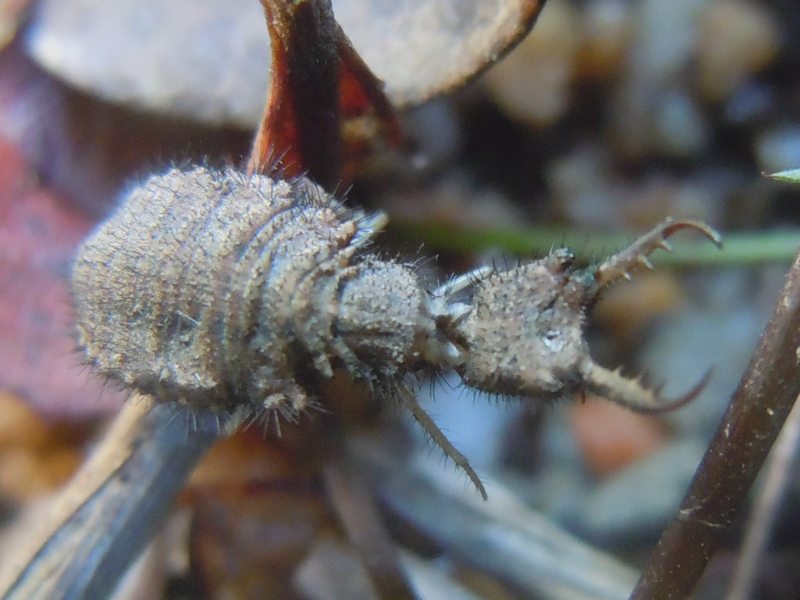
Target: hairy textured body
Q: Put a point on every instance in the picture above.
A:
(216, 290)
(239, 293)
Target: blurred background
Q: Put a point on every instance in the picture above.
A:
(610, 116)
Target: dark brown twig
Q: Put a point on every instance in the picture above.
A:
(753, 420)
(764, 512)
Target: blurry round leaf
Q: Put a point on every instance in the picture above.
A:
(209, 60)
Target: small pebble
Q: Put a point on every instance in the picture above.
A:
(625, 310)
(664, 38)
(532, 84)
(606, 37)
(778, 148)
(736, 39)
(680, 129)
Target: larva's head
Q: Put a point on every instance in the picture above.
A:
(524, 331)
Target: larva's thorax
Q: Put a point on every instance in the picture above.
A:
(215, 289)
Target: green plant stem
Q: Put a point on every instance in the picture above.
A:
(758, 409)
(740, 248)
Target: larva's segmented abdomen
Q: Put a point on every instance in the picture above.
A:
(215, 289)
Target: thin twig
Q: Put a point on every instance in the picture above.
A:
(765, 509)
(753, 420)
(433, 583)
(352, 500)
(501, 536)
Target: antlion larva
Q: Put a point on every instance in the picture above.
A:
(215, 290)
(238, 293)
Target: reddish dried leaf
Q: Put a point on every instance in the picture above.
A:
(317, 81)
(36, 457)
(38, 235)
(301, 125)
(247, 545)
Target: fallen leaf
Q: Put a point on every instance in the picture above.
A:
(209, 60)
(38, 234)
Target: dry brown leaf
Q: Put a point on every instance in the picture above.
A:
(320, 90)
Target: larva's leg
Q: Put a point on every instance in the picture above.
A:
(286, 404)
(463, 281)
(368, 227)
(440, 439)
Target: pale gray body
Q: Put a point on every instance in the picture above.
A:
(214, 289)
(238, 294)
